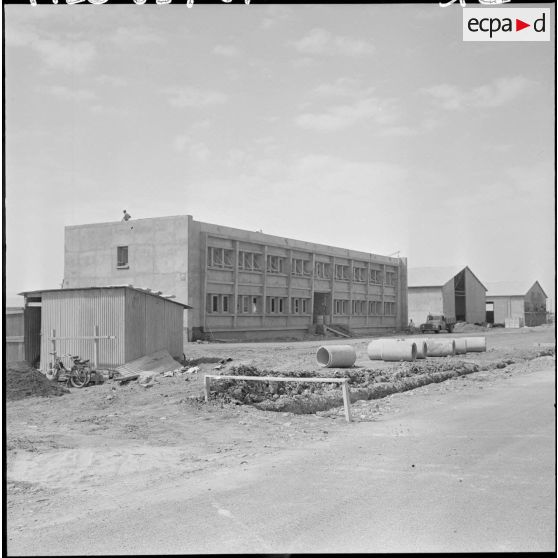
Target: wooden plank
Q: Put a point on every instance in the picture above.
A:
(84, 337)
(337, 332)
(346, 401)
(278, 379)
(127, 378)
(206, 382)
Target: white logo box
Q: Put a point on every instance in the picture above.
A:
(500, 24)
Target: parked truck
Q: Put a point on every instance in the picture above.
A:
(435, 323)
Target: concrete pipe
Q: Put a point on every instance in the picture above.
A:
(375, 347)
(392, 349)
(460, 345)
(420, 343)
(399, 350)
(422, 346)
(476, 344)
(441, 347)
(336, 356)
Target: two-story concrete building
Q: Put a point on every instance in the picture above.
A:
(241, 284)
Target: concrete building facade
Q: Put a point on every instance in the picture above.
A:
(241, 284)
(516, 301)
(454, 292)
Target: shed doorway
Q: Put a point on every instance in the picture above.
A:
(489, 312)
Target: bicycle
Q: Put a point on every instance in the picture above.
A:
(78, 376)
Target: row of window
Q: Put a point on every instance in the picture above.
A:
(252, 261)
(252, 304)
(363, 308)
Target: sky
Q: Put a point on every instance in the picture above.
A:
(370, 127)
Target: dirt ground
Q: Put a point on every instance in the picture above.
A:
(87, 448)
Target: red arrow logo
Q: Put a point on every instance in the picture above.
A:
(519, 25)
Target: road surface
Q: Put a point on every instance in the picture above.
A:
(465, 471)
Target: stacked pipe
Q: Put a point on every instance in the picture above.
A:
(393, 350)
(400, 349)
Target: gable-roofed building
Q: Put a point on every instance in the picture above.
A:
(456, 292)
(523, 302)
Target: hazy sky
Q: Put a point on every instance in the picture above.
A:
(372, 127)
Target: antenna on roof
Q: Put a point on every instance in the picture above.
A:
(394, 254)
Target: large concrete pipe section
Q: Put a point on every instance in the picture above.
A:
(476, 344)
(392, 349)
(441, 347)
(460, 345)
(336, 356)
(422, 347)
(374, 349)
(399, 350)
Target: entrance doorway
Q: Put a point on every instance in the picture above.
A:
(460, 300)
(322, 308)
(489, 312)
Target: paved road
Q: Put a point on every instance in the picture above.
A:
(471, 470)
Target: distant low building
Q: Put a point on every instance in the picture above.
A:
(520, 301)
(454, 292)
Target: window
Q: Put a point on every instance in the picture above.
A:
(358, 307)
(390, 278)
(248, 304)
(389, 308)
(376, 276)
(249, 261)
(219, 257)
(218, 303)
(341, 306)
(342, 272)
(122, 256)
(275, 264)
(275, 305)
(359, 274)
(300, 305)
(322, 270)
(374, 307)
(300, 266)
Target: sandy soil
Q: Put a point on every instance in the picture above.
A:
(85, 449)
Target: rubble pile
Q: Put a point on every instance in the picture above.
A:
(22, 380)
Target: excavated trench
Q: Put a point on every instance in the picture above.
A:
(364, 384)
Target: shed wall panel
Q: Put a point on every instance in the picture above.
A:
(448, 294)
(423, 301)
(74, 314)
(135, 325)
(475, 299)
(154, 324)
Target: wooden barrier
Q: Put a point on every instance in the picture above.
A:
(343, 381)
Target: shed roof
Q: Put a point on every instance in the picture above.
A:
(149, 292)
(511, 288)
(434, 276)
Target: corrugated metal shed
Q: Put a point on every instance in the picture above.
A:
(140, 322)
